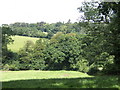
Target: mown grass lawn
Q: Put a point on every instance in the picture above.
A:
(56, 79)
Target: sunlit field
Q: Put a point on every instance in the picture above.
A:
(56, 79)
(19, 42)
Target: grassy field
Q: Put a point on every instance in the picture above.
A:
(56, 79)
(19, 42)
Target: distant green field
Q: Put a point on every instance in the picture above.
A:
(56, 79)
(19, 42)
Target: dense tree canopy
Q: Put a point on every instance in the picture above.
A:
(106, 30)
(43, 29)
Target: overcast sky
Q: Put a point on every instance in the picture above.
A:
(32, 11)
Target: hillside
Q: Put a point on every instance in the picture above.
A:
(19, 42)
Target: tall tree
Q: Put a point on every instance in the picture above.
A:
(6, 39)
(108, 31)
(112, 10)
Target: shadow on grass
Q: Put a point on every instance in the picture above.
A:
(90, 82)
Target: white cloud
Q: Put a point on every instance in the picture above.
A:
(38, 10)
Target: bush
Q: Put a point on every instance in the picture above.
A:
(93, 71)
(14, 66)
(38, 64)
(82, 66)
(6, 67)
(111, 69)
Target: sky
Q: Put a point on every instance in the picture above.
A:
(32, 11)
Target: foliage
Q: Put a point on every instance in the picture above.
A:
(82, 66)
(43, 29)
(6, 39)
(5, 67)
(14, 66)
(31, 56)
(105, 32)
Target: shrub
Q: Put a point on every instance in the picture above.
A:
(93, 71)
(82, 65)
(6, 67)
(14, 66)
(111, 69)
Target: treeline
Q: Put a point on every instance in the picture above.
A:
(62, 52)
(71, 51)
(94, 47)
(43, 29)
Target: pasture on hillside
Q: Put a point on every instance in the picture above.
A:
(19, 42)
(56, 79)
